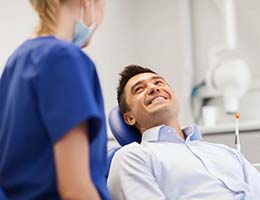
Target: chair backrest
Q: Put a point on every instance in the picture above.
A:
(123, 133)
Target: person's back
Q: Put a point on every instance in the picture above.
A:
(26, 146)
(53, 138)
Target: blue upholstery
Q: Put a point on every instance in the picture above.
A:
(123, 133)
(2, 195)
(110, 155)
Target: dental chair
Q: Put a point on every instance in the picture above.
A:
(123, 133)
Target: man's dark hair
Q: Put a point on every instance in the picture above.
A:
(127, 73)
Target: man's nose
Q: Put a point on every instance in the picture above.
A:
(153, 89)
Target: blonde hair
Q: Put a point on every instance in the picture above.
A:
(48, 11)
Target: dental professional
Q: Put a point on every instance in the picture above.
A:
(53, 138)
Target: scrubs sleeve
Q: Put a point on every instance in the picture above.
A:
(66, 91)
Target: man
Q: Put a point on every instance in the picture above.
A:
(172, 163)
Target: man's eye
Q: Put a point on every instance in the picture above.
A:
(138, 89)
(158, 82)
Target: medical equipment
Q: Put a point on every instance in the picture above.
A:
(230, 79)
(237, 139)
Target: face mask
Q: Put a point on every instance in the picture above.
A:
(82, 32)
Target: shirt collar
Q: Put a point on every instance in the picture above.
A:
(169, 134)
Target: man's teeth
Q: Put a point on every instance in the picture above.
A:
(157, 99)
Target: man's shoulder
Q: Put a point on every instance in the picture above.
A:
(131, 151)
(218, 145)
(131, 148)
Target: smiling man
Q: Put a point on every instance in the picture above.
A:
(172, 163)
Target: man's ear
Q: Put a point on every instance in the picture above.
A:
(129, 119)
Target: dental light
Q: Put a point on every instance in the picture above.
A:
(230, 79)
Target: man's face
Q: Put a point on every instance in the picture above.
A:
(150, 100)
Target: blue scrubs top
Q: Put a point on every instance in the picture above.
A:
(48, 87)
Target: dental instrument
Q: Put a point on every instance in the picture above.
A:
(237, 139)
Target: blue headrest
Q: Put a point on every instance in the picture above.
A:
(123, 133)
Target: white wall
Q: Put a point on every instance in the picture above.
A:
(17, 20)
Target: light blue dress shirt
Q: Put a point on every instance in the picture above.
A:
(164, 166)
